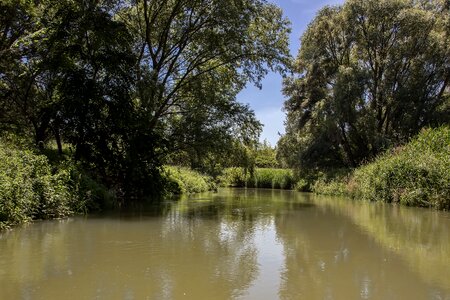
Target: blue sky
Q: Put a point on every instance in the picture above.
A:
(268, 102)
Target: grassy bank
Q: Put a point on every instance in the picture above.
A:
(33, 188)
(38, 185)
(417, 174)
(183, 180)
(261, 178)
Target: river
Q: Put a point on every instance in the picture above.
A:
(234, 244)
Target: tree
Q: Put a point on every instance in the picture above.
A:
(369, 75)
(193, 57)
(125, 83)
(266, 156)
(180, 43)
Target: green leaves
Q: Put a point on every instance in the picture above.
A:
(127, 82)
(370, 74)
(416, 174)
(28, 188)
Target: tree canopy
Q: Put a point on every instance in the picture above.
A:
(126, 82)
(369, 75)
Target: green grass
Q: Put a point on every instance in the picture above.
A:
(416, 174)
(261, 178)
(183, 180)
(37, 186)
(331, 182)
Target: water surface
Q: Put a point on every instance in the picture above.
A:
(236, 244)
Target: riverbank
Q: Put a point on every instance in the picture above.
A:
(416, 174)
(39, 186)
(32, 186)
(271, 178)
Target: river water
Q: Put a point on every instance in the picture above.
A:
(234, 244)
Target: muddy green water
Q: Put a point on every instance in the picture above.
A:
(236, 244)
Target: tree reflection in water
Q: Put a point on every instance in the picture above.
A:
(237, 244)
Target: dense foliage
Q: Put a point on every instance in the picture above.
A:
(29, 189)
(260, 178)
(266, 156)
(186, 181)
(416, 174)
(369, 75)
(36, 186)
(125, 83)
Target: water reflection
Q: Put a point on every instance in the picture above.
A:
(420, 237)
(328, 257)
(237, 244)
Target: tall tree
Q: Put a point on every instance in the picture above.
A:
(193, 57)
(370, 74)
(126, 82)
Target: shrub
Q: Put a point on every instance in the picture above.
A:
(302, 185)
(331, 182)
(234, 177)
(416, 174)
(261, 178)
(181, 180)
(330, 187)
(88, 193)
(29, 189)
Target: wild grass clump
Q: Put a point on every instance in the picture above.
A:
(261, 178)
(181, 180)
(29, 189)
(335, 187)
(235, 177)
(331, 182)
(417, 174)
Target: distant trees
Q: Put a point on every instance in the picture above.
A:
(369, 75)
(125, 83)
(266, 156)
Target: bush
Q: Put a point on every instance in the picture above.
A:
(88, 193)
(235, 177)
(29, 189)
(302, 185)
(416, 174)
(330, 187)
(181, 180)
(261, 178)
(331, 182)
(32, 187)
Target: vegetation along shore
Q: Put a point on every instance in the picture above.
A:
(108, 103)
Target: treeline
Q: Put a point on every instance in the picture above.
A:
(123, 87)
(368, 77)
